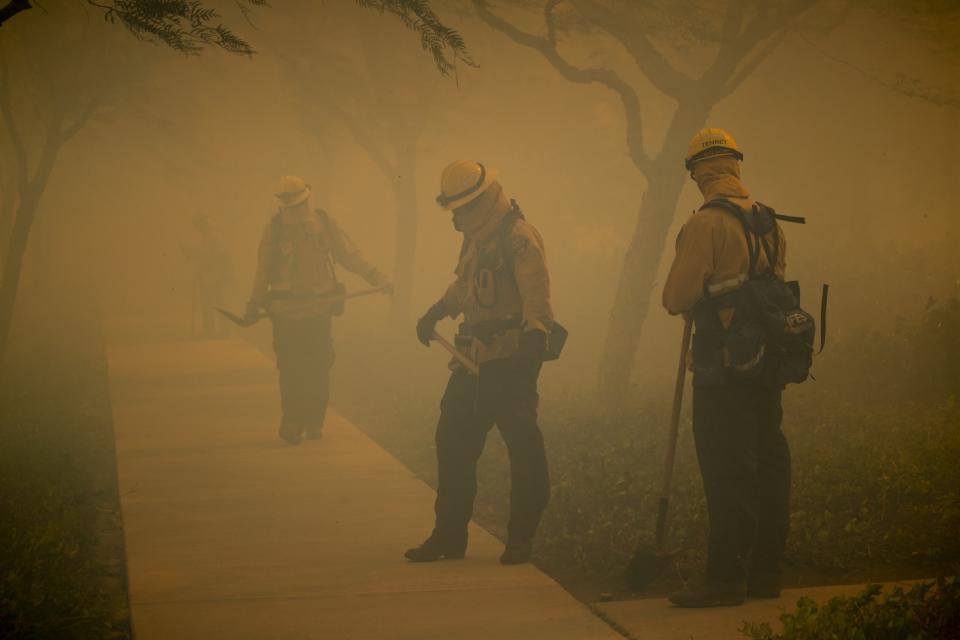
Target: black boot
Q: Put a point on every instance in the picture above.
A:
(291, 433)
(517, 552)
(434, 549)
(711, 594)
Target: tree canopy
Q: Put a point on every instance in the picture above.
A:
(190, 26)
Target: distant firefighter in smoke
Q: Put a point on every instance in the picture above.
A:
(296, 286)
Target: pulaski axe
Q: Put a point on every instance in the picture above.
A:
(241, 322)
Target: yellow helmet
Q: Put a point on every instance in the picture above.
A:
(291, 190)
(462, 182)
(711, 142)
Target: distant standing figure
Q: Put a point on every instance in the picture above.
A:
(502, 289)
(296, 284)
(743, 455)
(213, 275)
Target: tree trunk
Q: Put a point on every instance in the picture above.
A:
(631, 304)
(8, 201)
(20, 238)
(405, 203)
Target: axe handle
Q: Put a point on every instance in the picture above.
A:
(462, 359)
(359, 294)
(232, 317)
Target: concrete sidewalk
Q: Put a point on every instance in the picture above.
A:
(232, 534)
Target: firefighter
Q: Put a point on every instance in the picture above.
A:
(296, 283)
(743, 455)
(502, 288)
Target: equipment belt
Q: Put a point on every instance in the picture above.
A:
(486, 330)
(290, 295)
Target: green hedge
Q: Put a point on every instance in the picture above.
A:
(48, 574)
(926, 611)
(61, 565)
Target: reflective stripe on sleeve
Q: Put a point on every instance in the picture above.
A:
(726, 285)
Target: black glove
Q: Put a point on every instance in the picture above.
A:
(426, 324)
(533, 346)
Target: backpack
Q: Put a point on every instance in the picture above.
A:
(771, 337)
(339, 290)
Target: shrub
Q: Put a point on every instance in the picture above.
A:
(874, 445)
(59, 575)
(926, 611)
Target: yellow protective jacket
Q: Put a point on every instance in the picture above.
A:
(296, 261)
(712, 253)
(492, 286)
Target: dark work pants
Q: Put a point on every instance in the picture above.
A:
(508, 398)
(304, 350)
(745, 462)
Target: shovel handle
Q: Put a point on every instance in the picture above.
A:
(675, 411)
(470, 365)
(664, 501)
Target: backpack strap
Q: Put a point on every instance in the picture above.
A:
(755, 240)
(823, 317)
(773, 255)
(506, 226)
(328, 227)
(784, 218)
(276, 228)
(753, 251)
(276, 231)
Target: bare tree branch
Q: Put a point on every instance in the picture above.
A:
(907, 86)
(729, 69)
(773, 43)
(12, 8)
(609, 78)
(82, 118)
(630, 32)
(364, 140)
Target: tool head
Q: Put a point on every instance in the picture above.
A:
(234, 318)
(646, 566)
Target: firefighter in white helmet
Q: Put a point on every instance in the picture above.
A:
(502, 288)
(296, 283)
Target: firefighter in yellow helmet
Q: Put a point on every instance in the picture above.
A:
(296, 284)
(502, 288)
(743, 455)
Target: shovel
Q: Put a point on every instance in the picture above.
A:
(240, 322)
(647, 564)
